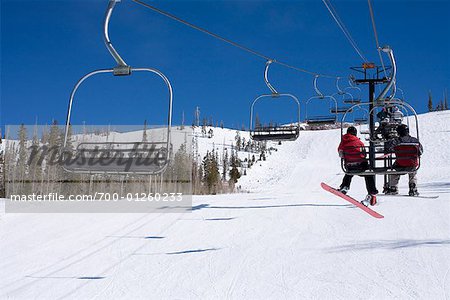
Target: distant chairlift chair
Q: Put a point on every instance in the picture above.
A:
(346, 97)
(352, 88)
(260, 132)
(321, 119)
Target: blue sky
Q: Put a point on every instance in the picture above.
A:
(46, 46)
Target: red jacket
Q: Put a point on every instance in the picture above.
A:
(352, 149)
(407, 155)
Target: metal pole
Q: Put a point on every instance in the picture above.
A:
(107, 40)
(391, 82)
(266, 78)
(372, 126)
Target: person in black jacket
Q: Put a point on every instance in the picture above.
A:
(407, 150)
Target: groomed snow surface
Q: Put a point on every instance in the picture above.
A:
(286, 239)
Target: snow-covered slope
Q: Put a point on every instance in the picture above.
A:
(222, 138)
(290, 239)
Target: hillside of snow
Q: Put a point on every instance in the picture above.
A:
(286, 239)
(220, 140)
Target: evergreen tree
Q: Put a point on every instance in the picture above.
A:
(430, 101)
(182, 169)
(225, 165)
(211, 174)
(234, 172)
(205, 167)
(237, 138)
(194, 177)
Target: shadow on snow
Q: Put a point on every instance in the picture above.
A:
(201, 206)
(389, 245)
(193, 251)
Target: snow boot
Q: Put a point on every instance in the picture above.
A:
(385, 189)
(370, 199)
(393, 190)
(413, 190)
(343, 189)
(366, 201)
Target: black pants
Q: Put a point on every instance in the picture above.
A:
(370, 179)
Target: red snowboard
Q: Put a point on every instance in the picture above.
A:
(352, 201)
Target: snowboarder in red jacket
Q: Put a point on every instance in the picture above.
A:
(352, 150)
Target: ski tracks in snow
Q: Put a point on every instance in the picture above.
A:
(237, 273)
(88, 252)
(124, 258)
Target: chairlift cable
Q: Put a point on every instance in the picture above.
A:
(343, 28)
(230, 42)
(372, 17)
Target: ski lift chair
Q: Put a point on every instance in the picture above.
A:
(340, 110)
(321, 119)
(281, 133)
(360, 116)
(346, 97)
(404, 159)
(288, 132)
(125, 154)
(353, 99)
